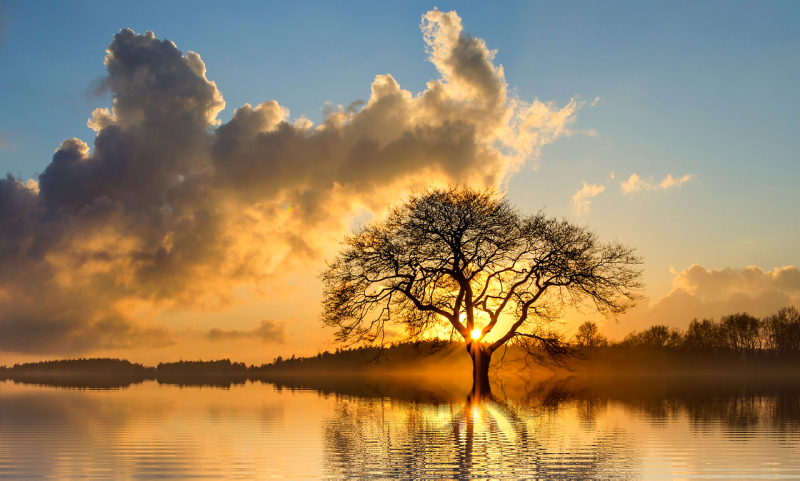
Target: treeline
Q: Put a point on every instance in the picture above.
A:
(222, 366)
(102, 373)
(82, 366)
(119, 373)
(399, 356)
(738, 336)
(224, 373)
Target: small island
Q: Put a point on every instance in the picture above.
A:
(81, 373)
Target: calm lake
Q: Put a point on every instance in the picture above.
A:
(390, 428)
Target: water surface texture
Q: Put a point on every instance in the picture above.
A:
(362, 429)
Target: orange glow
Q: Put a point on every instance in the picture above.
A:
(476, 334)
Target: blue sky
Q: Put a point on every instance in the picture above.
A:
(707, 89)
(719, 76)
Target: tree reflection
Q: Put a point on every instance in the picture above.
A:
(544, 430)
(481, 437)
(733, 404)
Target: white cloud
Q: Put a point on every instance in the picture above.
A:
(698, 292)
(669, 181)
(636, 183)
(583, 198)
(633, 184)
(587, 132)
(101, 118)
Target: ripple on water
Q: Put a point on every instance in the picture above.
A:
(257, 431)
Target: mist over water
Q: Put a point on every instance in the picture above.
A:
(403, 428)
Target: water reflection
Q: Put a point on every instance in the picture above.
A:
(220, 382)
(478, 438)
(145, 431)
(81, 381)
(406, 428)
(730, 403)
(574, 428)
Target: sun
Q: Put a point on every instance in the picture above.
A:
(476, 334)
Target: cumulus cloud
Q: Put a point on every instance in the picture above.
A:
(669, 181)
(267, 331)
(171, 209)
(636, 183)
(583, 198)
(698, 292)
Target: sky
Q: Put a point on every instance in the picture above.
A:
(175, 194)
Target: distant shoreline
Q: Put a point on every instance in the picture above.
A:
(402, 361)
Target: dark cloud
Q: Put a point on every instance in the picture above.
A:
(169, 209)
(97, 88)
(269, 331)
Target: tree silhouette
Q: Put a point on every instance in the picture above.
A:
(462, 262)
(588, 335)
(741, 332)
(781, 331)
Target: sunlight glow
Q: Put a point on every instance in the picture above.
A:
(476, 334)
(476, 413)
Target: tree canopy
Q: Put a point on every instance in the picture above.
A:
(459, 262)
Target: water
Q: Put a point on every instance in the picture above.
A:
(633, 428)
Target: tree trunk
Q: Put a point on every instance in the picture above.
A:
(481, 357)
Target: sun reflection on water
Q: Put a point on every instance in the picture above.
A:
(486, 439)
(385, 430)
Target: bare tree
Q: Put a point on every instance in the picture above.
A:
(459, 262)
(588, 335)
(741, 332)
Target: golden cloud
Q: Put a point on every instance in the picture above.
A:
(172, 209)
